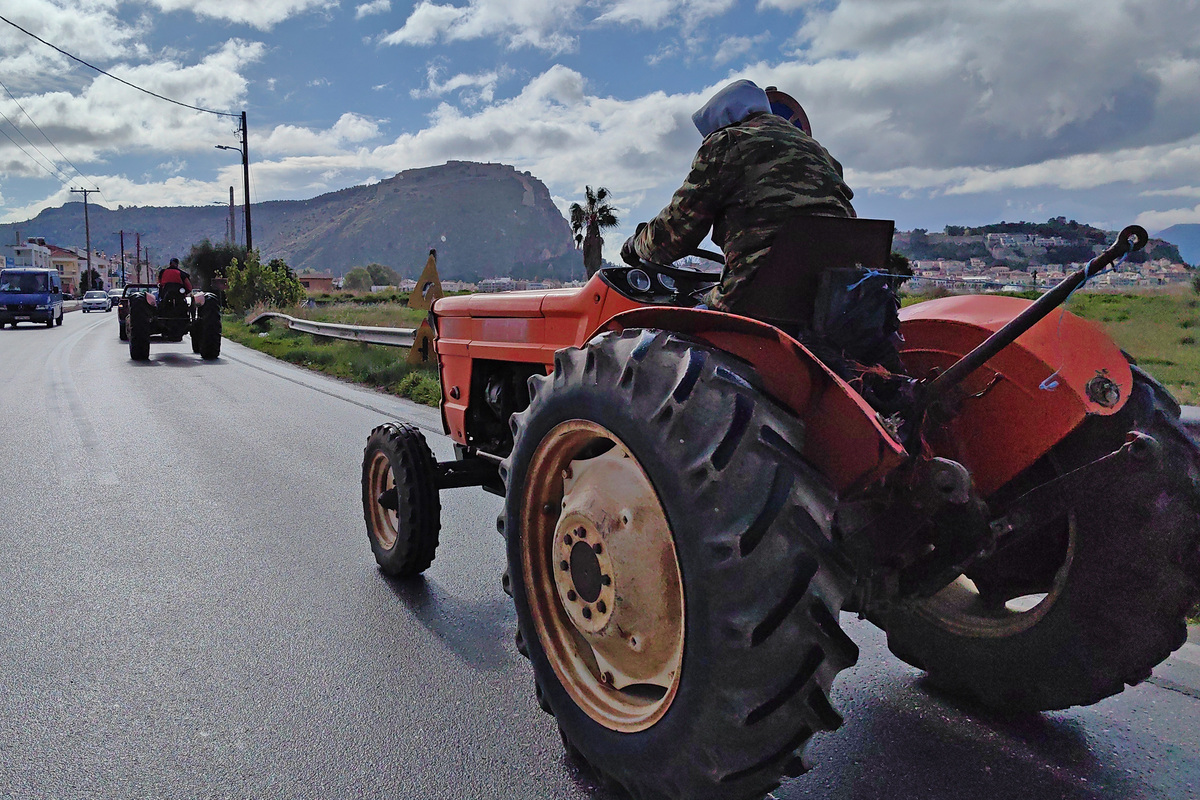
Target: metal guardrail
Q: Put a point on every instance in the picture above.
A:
(391, 337)
(403, 337)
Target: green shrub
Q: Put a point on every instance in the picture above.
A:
(251, 284)
(421, 386)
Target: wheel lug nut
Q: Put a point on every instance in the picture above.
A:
(606, 580)
(581, 532)
(598, 548)
(587, 612)
(567, 540)
(564, 566)
(571, 595)
(601, 607)
(607, 678)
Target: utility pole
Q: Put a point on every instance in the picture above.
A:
(122, 232)
(138, 262)
(245, 179)
(87, 232)
(231, 236)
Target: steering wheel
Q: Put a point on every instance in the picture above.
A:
(687, 281)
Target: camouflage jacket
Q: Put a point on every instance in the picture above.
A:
(747, 179)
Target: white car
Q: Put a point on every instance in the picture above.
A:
(96, 301)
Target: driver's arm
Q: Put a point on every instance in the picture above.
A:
(682, 225)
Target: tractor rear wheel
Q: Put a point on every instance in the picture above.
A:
(138, 329)
(1071, 613)
(670, 563)
(210, 330)
(400, 499)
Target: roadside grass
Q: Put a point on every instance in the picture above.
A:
(1159, 330)
(381, 367)
(383, 315)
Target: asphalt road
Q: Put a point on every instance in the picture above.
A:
(189, 609)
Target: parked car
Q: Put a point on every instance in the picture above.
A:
(28, 294)
(96, 300)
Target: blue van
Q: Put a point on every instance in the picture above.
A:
(30, 295)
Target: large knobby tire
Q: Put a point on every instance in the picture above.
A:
(1101, 596)
(400, 499)
(138, 328)
(210, 329)
(669, 559)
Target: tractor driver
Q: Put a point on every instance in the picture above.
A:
(172, 274)
(754, 171)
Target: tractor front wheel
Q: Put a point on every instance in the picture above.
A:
(400, 499)
(670, 562)
(1072, 612)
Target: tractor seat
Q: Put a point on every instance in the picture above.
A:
(784, 290)
(173, 296)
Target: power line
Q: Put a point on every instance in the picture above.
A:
(114, 77)
(53, 173)
(60, 173)
(43, 133)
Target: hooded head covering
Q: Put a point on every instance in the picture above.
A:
(732, 104)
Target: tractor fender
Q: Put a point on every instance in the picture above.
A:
(1027, 398)
(844, 438)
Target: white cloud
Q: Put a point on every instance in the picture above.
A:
(28, 65)
(373, 7)
(262, 14)
(541, 24)
(656, 13)
(1158, 220)
(786, 5)
(349, 130)
(87, 131)
(475, 89)
(736, 46)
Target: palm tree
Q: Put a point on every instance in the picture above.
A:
(587, 222)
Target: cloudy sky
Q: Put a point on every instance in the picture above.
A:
(942, 111)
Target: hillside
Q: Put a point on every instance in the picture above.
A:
(486, 220)
(1187, 237)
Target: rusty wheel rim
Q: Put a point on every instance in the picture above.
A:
(602, 577)
(963, 609)
(384, 522)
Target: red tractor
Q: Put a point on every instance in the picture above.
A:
(692, 497)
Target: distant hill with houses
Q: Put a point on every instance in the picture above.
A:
(485, 220)
(1029, 254)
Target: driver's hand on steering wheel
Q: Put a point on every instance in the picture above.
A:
(628, 252)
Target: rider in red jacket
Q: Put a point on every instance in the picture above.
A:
(173, 274)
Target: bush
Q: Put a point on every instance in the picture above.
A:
(421, 386)
(251, 284)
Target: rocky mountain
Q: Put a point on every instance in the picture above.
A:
(1187, 237)
(485, 220)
